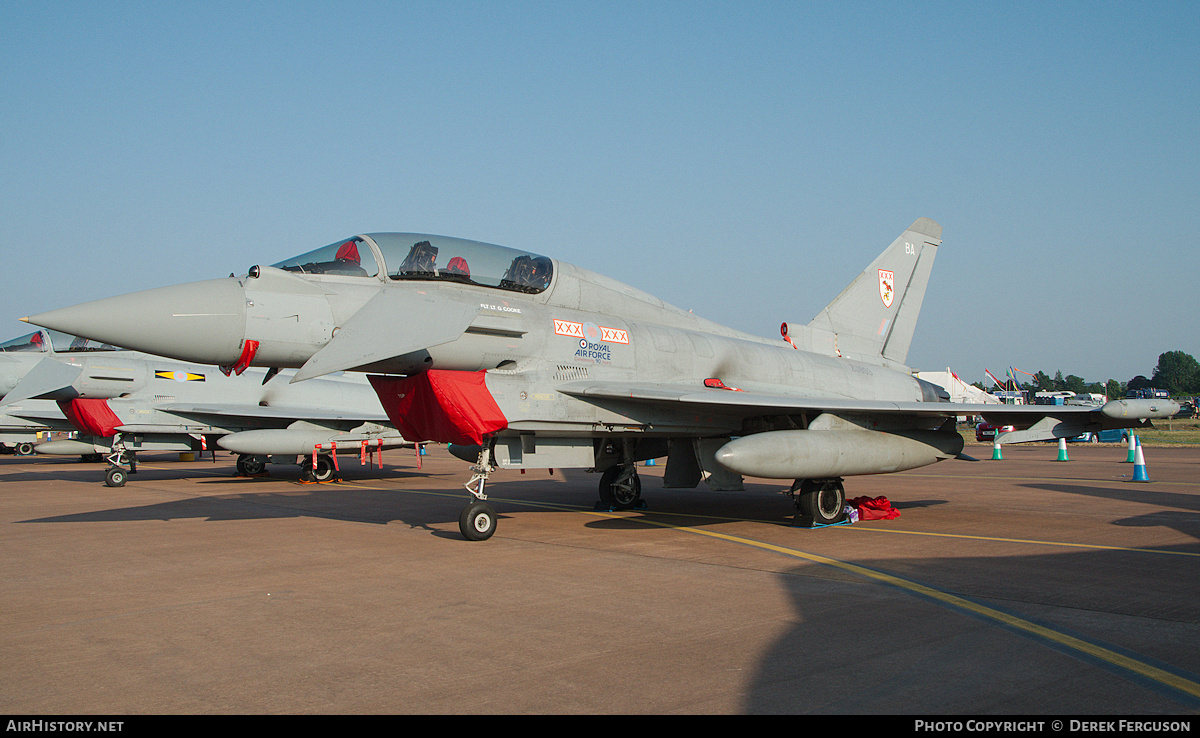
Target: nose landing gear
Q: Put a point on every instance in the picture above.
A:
(477, 522)
(116, 475)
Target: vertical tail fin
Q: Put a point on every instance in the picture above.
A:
(874, 318)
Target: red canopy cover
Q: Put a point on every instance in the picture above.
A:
(440, 405)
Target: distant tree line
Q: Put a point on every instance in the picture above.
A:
(1177, 372)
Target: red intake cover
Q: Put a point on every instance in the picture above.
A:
(91, 417)
(440, 405)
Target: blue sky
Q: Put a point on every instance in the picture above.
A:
(745, 160)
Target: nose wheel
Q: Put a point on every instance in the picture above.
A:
(116, 476)
(477, 522)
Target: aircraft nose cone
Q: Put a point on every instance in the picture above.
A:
(203, 322)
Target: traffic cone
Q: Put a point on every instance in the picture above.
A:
(1139, 466)
(996, 455)
(1132, 449)
(1062, 450)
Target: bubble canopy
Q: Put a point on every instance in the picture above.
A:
(351, 257)
(425, 257)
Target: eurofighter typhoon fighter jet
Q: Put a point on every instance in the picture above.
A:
(530, 362)
(122, 402)
(23, 423)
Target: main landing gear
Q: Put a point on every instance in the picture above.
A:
(620, 488)
(250, 466)
(323, 471)
(819, 502)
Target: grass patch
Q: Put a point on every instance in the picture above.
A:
(1171, 433)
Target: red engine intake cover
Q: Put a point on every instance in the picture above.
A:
(440, 405)
(92, 417)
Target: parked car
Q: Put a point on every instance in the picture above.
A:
(1148, 393)
(987, 432)
(1112, 435)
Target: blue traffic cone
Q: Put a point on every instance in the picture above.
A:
(1062, 450)
(1139, 466)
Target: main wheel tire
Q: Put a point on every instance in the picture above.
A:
(477, 522)
(620, 497)
(324, 471)
(248, 465)
(115, 477)
(823, 504)
(24, 448)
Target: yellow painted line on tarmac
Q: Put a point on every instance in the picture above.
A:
(1153, 673)
(1081, 480)
(1090, 650)
(854, 528)
(1161, 676)
(1031, 542)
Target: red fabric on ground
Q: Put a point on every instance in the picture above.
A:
(439, 405)
(91, 417)
(874, 508)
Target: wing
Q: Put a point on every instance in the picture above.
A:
(47, 376)
(1035, 422)
(202, 410)
(370, 336)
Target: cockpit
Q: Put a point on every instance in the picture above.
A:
(45, 341)
(350, 257)
(411, 256)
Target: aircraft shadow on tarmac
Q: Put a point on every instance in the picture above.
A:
(413, 504)
(853, 645)
(1128, 492)
(867, 648)
(332, 501)
(221, 472)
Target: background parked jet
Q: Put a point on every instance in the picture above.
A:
(539, 363)
(23, 422)
(23, 425)
(123, 402)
